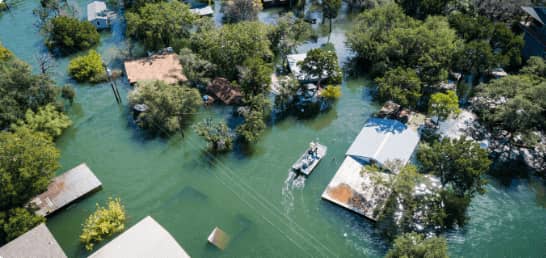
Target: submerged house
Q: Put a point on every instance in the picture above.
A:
(166, 68)
(37, 242)
(379, 141)
(65, 189)
(147, 238)
(224, 91)
(535, 32)
(98, 15)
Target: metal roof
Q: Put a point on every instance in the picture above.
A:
(65, 189)
(36, 243)
(94, 9)
(384, 139)
(538, 13)
(147, 238)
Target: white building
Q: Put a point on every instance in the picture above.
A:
(98, 15)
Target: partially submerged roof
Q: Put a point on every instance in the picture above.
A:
(295, 68)
(357, 191)
(538, 13)
(147, 238)
(384, 139)
(94, 10)
(219, 238)
(223, 90)
(166, 68)
(36, 243)
(65, 189)
(205, 11)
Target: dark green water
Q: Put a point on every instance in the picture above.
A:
(190, 193)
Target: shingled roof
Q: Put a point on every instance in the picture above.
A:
(36, 243)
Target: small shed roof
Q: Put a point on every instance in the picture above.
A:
(384, 139)
(207, 10)
(538, 13)
(219, 238)
(147, 238)
(94, 9)
(166, 68)
(37, 242)
(65, 189)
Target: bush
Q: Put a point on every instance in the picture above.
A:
(87, 68)
(414, 245)
(5, 54)
(16, 222)
(47, 120)
(68, 93)
(331, 92)
(217, 135)
(104, 222)
(169, 106)
(69, 35)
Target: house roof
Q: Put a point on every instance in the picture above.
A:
(147, 238)
(36, 243)
(207, 10)
(538, 13)
(384, 139)
(94, 9)
(65, 189)
(223, 90)
(295, 68)
(166, 68)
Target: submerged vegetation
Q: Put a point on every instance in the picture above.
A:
(102, 223)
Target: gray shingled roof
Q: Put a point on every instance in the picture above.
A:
(145, 239)
(384, 139)
(36, 243)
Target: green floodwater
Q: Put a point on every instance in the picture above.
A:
(244, 193)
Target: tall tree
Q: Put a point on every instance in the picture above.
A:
(442, 105)
(255, 76)
(403, 86)
(69, 35)
(322, 64)
(289, 32)
(330, 9)
(242, 10)
(218, 135)
(47, 119)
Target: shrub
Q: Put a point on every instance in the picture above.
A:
(217, 135)
(87, 68)
(69, 35)
(331, 92)
(47, 120)
(104, 222)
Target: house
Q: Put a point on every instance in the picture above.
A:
(294, 66)
(37, 242)
(379, 141)
(204, 11)
(98, 15)
(163, 67)
(222, 89)
(64, 189)
(147, 238)
(535, 32)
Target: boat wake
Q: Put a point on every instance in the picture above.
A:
(293, 182)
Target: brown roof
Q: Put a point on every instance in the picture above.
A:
(36, 243)
(165, 68)
(223, 90)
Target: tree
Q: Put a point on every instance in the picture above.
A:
(416, 246)
(46, 62)
(470, 27)
(242, 10)
(198, 70)
(5, 54)
(69, 35)
(47, 120)
(475, 58)
(68, 93)
(16, 222)
(217, 135)
(460, 164)
(535, 67)
(160, 25)
(400, 85)
(169, 107)
(253, 127)
(87, 68)
(104, 222)
(331, 92)
(322, 64)
(509, 46)
(444, 104)
(255, 76)
(28, 161)
(289, 32)
(232, 44)
(329, 10)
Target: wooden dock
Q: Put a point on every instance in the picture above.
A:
(66, 189)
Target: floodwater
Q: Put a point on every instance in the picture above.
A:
(249, 194)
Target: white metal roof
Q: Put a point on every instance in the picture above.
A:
(295, 68)
(384, 139)
(207, 10)
(36, 243)
(147, 238)
(94, 9)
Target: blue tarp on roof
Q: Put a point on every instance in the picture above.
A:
(384, 139)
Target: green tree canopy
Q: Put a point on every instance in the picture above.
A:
(322, 64)
(413, 245)
(289, 32)
(217, 135)
(28, 161)
(104, 222)
(69, 35)
(232, 44)
(87, 68)
(159, 25)
(400, 85)
(198, 70)
(242, 10)
(47, 120)
(169, 107)
(16, 222)
(255, 76)
(442, 105)
(330, 9)
(253, 126)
